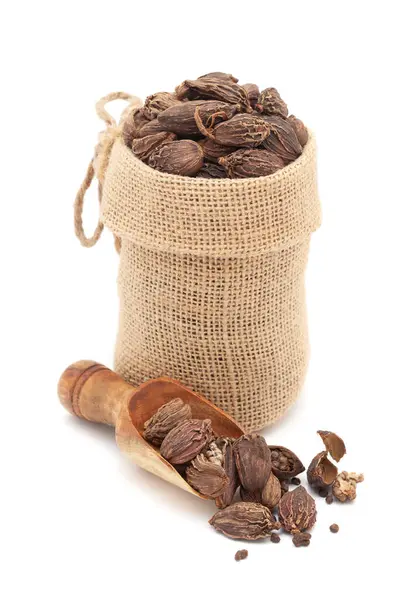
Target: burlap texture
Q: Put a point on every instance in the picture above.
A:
(211, 281)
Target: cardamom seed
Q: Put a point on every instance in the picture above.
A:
(270, 103)
(334, 444)
(253, 92)
(181, 157)
(282, 139)
(214, 88)
(143, 147)
(285, 464)
(301, 539)
(180, 118)
(297, 511)
(207, 477)
(186, 440)
(251, 163)
(157, 103)
(299, 128)
(253, 461)
(322, 472)
(166, 418)
(229, 464)
(345, 486)
(245, 521)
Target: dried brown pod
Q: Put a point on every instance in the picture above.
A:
(245, 521)
(209, 88)
(285, 463)
(150, 128)
(241, 131)
(253, 93)
(241, 555)
(157, 103)
(186, 440)
(271, 492)
(207, 477)
(334, 444)
(229, 464)
(321, 473)
(301, 539)
(213, 151)
(299, 128)
(253, 461)
(282, 139)
(132, 125)
(166, 418)
(212, 171)
(219, 75)
(251, 163)
(247, 496)
(143, 147)
(297, 510)
(180, 118)
(182, 157)
(270, 103)
(345, 486)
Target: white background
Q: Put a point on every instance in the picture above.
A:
(78, 520)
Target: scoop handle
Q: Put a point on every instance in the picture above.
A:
(93, 392)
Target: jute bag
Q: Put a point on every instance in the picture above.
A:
(211, 276)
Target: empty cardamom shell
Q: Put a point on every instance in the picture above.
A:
(322, 472)
(182, 157)
(143, 147)
(180, 118)
(253, 461)
(297, 510)
(186, 440)
(157, 103)
(165, 419)
(299, 128)
(270, 103)
(282, 139)
(334, 444)
(214, 88)
(251, 163)
(285, 464)
(207, 477)
(229, 464)
(245, 521)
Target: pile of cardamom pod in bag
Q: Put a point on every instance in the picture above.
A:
(248, 479)
(214, 128)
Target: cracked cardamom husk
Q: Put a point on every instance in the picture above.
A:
(282, 140)
(322, 472)
(270, 103)
(253, 461)
(245, 521)
(344, 487)
(285, 464)
(214, 88)
(251, 163)
(143, 147)
(207, 477)
(182, 157)
(180, 118)
(300, 129)
(165, 419)
(297, 510)
(186, 440)
(157, 103)
(334, 444)
(229, 464)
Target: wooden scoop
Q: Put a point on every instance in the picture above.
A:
(91, 391)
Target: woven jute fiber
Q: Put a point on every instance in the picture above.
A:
(211, 280)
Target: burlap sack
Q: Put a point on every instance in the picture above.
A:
(211, 280)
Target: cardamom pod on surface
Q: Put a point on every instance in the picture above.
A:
(212, 88)
(206, 476)
(251, 163)
(245, 521)
(285, 464)
(181, 157)
(180, 118)
(143, 147)
(270, 103)
(157, 103)
(253, 461)
(299, 128)
(321, 472)
(297, 510)
(166, 418)
(282, 139)
(186, 440)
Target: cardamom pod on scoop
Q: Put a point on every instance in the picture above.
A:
(212, 88)
(245, 521)
(297, 510)
(180, 118)
(182, 157)
(251, 163)
(186, 440)
(207, 477)
(166, 418)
